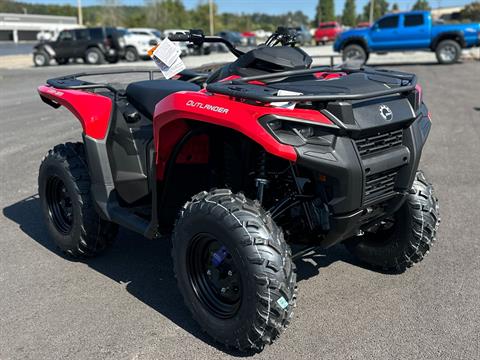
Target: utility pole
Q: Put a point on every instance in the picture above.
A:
(372, 6)
(212, 29)
(80, 15)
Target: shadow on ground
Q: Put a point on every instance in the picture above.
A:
(145, 266)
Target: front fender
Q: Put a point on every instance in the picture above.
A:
(222, 111)
(47, 48)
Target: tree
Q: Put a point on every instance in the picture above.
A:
(349, 13)
(421, 5)
(471, 12)
(166, 14)
(200, 17)
(380, 8)
(112, 14)
(325, 11)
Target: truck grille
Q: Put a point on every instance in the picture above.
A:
(381, 142)
(379, 186)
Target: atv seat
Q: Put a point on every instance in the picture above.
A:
(144, 95)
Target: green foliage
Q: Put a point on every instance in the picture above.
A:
(325, 11)
(471, 12)
(161, 14)
(166, 14)
(380, 8)
(421, 5)
(349, 13)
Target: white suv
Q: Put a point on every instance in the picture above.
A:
(137, 45)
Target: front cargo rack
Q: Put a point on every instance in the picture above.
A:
(248, 87)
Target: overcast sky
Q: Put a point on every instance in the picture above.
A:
(267, 6)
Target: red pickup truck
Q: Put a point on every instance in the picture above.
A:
(327, 31)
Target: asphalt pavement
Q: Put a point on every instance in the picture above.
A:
(125, 304)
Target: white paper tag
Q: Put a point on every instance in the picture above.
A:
(167, 52)
(285, 104)
(170, 71)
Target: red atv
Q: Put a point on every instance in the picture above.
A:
(239, 163)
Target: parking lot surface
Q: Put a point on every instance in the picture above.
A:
(125, 305)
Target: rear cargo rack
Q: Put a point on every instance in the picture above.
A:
(243, 88)
(72, 82)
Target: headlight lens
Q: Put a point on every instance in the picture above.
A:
(298, 133)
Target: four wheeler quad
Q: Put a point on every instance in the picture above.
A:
(293, 154)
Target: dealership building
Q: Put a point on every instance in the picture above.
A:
(24, 27)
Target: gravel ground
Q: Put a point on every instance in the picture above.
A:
(125, 305)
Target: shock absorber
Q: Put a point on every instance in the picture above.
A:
(261, 180)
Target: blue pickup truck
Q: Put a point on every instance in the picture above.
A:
(409, 31)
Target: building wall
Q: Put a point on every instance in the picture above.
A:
(25, 27)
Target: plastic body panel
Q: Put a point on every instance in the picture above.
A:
(346, 170)
(220, 110)
(92, 110)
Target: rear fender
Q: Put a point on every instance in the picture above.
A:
(47, 48)
(92, 110)
(170, 113)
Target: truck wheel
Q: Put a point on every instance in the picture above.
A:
(448, 51)
(399, 244)
(354, 53)
(234, 269)
(41, 58)
(131, 54)
(66, 203)
(94, 56)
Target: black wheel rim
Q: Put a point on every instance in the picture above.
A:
(213, 276)
(60, 209)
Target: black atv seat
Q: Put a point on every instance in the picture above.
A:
(144, 95)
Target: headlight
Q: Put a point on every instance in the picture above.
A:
(297, 132)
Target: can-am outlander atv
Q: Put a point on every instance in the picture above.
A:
(238, 164)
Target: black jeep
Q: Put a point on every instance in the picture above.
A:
(93, 45)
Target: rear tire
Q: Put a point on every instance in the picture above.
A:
(131, 54)
(410, 237)
(448, 51)
(41, 58)
(67, 206)
(258, 304)
(354, 53)
(94, 56)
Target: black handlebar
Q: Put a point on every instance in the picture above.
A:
(197, 37)
(179, 37)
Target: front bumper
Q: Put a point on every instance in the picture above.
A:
(366, 184)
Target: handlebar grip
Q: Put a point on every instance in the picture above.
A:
(179, 37)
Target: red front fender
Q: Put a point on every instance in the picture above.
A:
(223, 111)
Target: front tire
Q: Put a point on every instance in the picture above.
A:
(41, 58)
(409, 238)
(131, 54)
(448, 52)
(67, 206)
(234, 269)
(354, 53)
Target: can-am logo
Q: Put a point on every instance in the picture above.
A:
(386, 112)
(200, 105)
